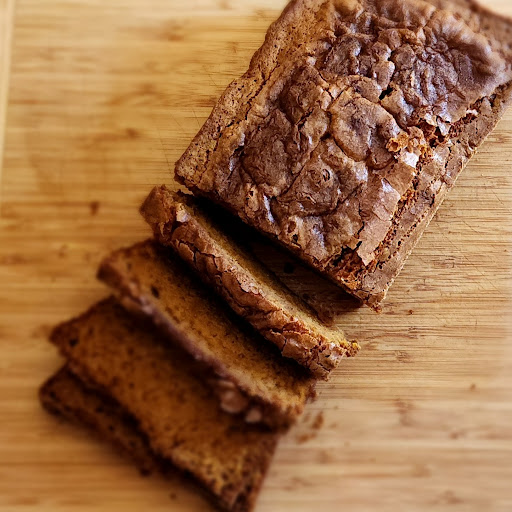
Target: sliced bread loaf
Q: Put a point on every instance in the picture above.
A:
(161, 387)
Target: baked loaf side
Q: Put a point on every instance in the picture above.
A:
(65, 395)
(160, 386)
(350, 126)
(248, 373)
(252, 291)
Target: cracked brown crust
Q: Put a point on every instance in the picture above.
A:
(351, 125)
(162, 388)
(252, 291)
(151, 281)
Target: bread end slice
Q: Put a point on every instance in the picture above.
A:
(163, 390)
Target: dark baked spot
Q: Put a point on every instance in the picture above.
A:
(73, 342)
(386, 93)
(288, 268)
(155, 292)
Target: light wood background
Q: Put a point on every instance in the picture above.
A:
(103, 97)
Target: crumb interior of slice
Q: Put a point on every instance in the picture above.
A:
(207, 326)
(158, 384)
(231, 247)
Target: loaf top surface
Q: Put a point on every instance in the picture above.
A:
(321, 141)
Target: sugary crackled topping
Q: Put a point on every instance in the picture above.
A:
(233, 401)
(338, 132)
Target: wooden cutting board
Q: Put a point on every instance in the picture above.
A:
(103, 98)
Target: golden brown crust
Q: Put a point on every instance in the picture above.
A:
(252, 291)
(342, 140)
(161, 387)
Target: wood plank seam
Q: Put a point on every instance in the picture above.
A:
(7, 18)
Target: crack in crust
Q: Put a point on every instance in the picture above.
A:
(354, 104)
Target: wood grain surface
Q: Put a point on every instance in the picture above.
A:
(103, 98)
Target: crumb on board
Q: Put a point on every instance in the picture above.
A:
(94, 207)
(304, 438)
(316, 424)
(319, 421)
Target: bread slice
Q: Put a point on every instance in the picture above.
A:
(162, 388)
(65, 394)
(350, 126)
(248, 373)
(252, 291)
